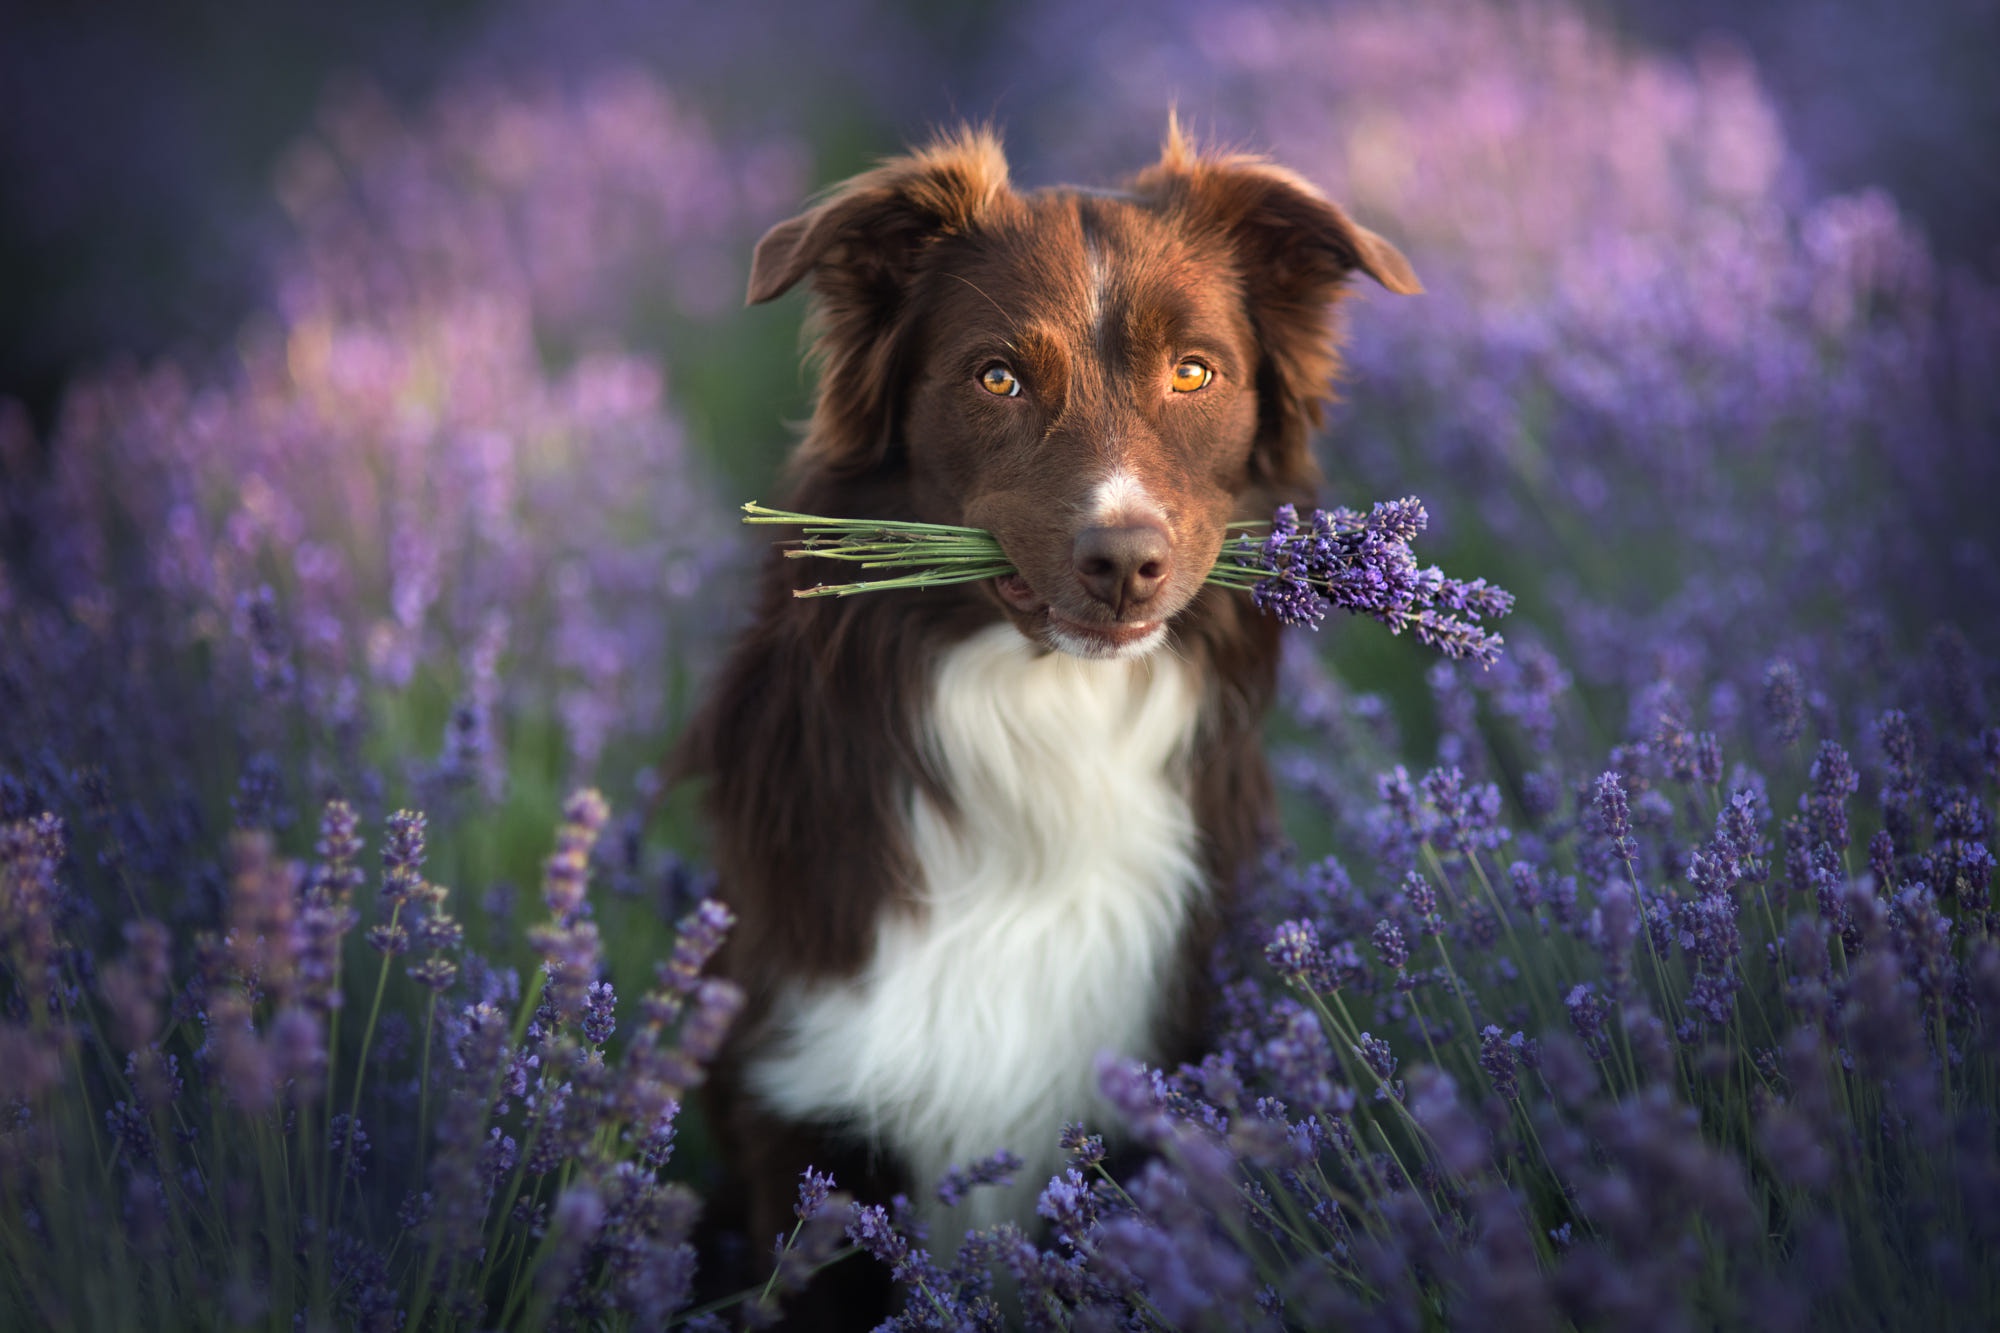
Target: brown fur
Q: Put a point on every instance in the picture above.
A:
(921, 270)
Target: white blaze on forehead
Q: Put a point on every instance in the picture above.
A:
(1121, 499)
(1100, 287)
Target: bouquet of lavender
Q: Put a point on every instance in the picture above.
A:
(1297, 570)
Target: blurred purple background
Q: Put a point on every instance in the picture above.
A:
(138, 141)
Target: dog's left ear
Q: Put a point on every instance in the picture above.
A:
(1296, 251)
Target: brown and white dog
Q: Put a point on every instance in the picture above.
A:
(974, 836)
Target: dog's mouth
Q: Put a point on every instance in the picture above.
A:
(1080, 638)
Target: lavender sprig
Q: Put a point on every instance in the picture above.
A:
(1298, 570)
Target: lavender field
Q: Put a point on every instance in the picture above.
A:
(351, 953)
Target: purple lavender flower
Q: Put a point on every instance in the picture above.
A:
(696, 939)
(567, 872)
(1740, 843)
(1423, 901)
(715, 1007)
(599, 1017)
(1959, 864)
(1784, 700)
(1707, 765)
(1433, 1100)
(1342, 560)
(814, 1188)
(1468, 813)
(339, 849)
(403, 858)
(1083, 1149)
(347, 1141)
(1587, 1011)
(1834, 780)
(1296, 953)
(960, 1181)
(389, 938)
(134, 986)
(1616, 814)
(1499, 1055)
(1376, 1054)
(1923, 938)
(1527, 686)
(1068, 1205)
(1297, 1059)
(1390, 946)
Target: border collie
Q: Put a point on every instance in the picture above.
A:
(977, 835)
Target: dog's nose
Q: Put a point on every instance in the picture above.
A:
(1122, 567)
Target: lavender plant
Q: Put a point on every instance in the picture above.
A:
(422, 523)
(184, 1114)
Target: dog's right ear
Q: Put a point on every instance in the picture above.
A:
(872, 226)
(860, 247)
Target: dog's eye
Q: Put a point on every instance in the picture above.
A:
(999, 381)
(1191, 375)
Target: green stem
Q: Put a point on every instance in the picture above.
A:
(339, 1187)
(424, 1091)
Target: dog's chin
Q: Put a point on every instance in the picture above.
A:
(1043, 625)
(1103, 642)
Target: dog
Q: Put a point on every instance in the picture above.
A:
(976, 835)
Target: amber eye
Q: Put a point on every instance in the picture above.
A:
(999, 381)
(1191, 375)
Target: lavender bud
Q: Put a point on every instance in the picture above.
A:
(698, 936)
(338, 848)
(388, 939)
(1085, 1150)
(1375, 1053)
(1834, 780)
(1587, 1011)
(566, 874)
(715, 1007)
(1390, 945)
(599, 1020)
(814, 1187)
(1617, 816)
(347, 1140)
(1498, 1056)
(959, 1181)
(1784, 700)
(402, 858)
(1423, 900)
(434, 974)
(1707, 759)
(1295, 952)
(298, 1045)
(1568, 1070)
(1434, 1104)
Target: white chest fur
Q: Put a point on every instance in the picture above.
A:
(1051, 909)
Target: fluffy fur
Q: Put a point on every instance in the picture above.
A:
(975, 836)
(1048, 915)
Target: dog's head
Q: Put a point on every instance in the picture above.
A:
(1102, 379)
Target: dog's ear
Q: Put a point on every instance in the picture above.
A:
(860, 247)
(871, 227)
(1296, 252)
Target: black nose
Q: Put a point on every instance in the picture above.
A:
(1123, 567)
